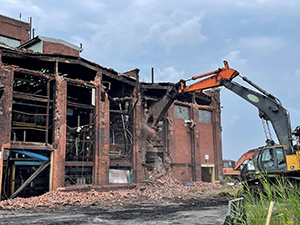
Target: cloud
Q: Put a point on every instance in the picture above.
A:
(90, 5)
(295, 116)
(290, 83)
(187, 33)
(234, 57)
(233, 119)
(168, 74)
(267, 3)
(261, 44)
(16, 7)
(136, 31)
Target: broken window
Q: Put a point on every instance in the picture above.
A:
(120, 130)
(80, 135)
(181, 112)
(204, 116)
(32, 108)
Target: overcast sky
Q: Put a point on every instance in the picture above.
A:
(180, 39)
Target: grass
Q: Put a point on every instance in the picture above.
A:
(285, 196)
(227, 191)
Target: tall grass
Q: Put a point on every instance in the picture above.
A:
(285, 196)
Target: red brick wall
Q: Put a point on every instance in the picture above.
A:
(206, 142)
(6, 79)
(50, 47)
(179, 147)
(102, 145)
(133, 73)
(14, 28)
(59, 133)
(216, 120)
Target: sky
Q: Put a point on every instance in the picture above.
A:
(180, 39)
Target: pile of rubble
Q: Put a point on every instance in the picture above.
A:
(158, 190)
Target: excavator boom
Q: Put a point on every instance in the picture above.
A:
(246, 156)
(214, 79)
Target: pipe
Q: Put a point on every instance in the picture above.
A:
(89, 187)
(152, 74)
(31, 154)
(193, 155)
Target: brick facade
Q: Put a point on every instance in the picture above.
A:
(15, 29)
(50, 47)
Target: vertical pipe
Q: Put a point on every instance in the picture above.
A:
(13, 175)
(152, 75)
(30, 27)
(124, 128)
(78, 121)
(51, 172)
(192, 132)
(47, 112)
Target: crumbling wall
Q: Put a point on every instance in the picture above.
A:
(139, 139)
(217, 132)
(101, 169)
(6, 79)
(59, 133)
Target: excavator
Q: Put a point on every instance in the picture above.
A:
(229, 171)
(277, 159)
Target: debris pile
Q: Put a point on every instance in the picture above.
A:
(156, 190)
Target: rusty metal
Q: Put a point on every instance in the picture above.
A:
(81, 163)
(47, 116)
(159, 108)
(69, 103)
(34, 175)
(29, 97)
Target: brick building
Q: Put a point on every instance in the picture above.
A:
(48, 45)
(13, 32)
(66, 121)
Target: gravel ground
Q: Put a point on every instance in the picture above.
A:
(197, 211)
(162, 201)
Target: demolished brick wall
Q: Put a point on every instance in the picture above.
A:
(59, 133)
(102, 134)
(184, 147)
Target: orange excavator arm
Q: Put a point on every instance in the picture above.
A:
(246, 156)
(214, 79)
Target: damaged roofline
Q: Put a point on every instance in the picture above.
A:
(48, 39)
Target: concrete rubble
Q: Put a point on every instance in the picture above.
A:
(159, 190)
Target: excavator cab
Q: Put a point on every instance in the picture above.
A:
(271, 159)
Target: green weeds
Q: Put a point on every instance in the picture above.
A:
(256, 203)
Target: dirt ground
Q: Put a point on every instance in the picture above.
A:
(195, 211)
